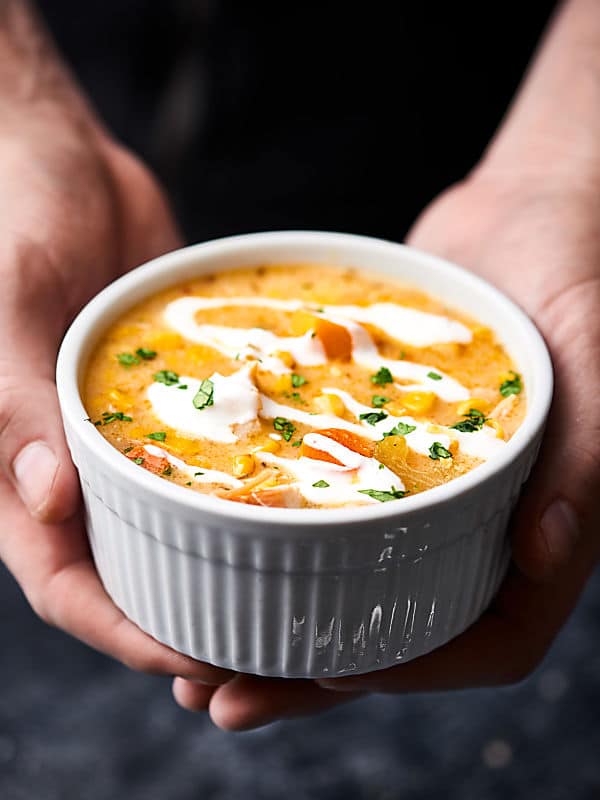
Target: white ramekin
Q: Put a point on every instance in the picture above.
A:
(301, 592)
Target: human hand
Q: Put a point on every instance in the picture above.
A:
(77, 211)
(539, 244)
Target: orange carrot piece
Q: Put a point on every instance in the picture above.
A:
(155, 464)
(348, 439)
(335, 339)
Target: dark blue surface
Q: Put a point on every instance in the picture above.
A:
(74, 724)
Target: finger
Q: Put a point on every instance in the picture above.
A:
(558, 511)
(52, 564)
(249, 701)
(33, 451)
(192, 695)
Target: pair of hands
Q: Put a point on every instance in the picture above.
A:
(78, 211)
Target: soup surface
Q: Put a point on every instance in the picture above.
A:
(302, 386)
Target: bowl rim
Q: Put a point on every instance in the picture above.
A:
(90, 321)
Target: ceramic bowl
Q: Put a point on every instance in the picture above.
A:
(302, 592)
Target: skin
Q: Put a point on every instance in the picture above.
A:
(525, 219)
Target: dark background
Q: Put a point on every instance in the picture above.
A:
(296, 115)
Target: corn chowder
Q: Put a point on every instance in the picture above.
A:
(302, 386)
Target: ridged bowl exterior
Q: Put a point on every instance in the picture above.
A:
(306, 606)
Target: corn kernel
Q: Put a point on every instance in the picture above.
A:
(121, 400)
(329, 404)
(508, 375)
(287, 358)
(243, 465)
(482, 332)
(302, 322)
(270, 446)
(493, 423)
(462, 409)
(335, 371)
(282, 383)
(419, 402)
(453, 446)
(395, 409)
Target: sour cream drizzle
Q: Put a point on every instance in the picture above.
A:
(195, 474)
(405, 324)
(344, 482)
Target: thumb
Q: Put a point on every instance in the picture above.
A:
(33, 451)
(559, 511)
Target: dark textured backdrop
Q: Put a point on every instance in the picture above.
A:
(323, 115)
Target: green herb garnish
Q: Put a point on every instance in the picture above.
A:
(167, 471)
(511, 386)
(138, 461)
(166, 376)
(158, 436)
(378, 400)
(401, 429)
(321, 485)
(128, 449)
(382, 376)
(437, 451)
(298, 380)
(205, 395)
(285, 427)
(182, 386)
(434, 376)
(147, 355)
(108, 417)
(473, 422)
(297, 443)
(384, 497)
(372, 417)
(127, 359)
(197, 474)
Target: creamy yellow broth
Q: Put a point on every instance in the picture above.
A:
(362, 395)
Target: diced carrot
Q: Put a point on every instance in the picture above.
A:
(348, 439)
(336, 339)
(319, 455)
(155, 464)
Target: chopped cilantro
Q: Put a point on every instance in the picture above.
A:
(158, 436)
(384, 497)
(382, 376)
(138, 461)
(205, 395)
(298, 380)
(321, 485)
(382, 466)
(434, 376)
(108, 417)
(378, 400)
(128, 449)
(297, 443)
(196, 474)
(127, 359)
(437, 451)
(166, 376)
(285, 427)
(147, 355)
(372, 417)
(182, 386)
(512, 385)
(295, 396)
(167, 470)
(473, 422)
(401, 429)
(189, 483)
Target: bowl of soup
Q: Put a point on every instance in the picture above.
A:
(299, 451)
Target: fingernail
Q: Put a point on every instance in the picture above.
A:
(560, 528)
(35, 469)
